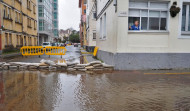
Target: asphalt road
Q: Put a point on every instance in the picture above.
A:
(72, 55)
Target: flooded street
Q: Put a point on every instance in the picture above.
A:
(79, 91)
(117, 91)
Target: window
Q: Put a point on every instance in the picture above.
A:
(148, 15)
(28, 4)
(185, 28)
(94, 35)
(10, 39)
(41, 11)
(100, 28)
(29, 22)
(5, 12)
(9, 13)
(6, 39)
(41, 25)
(17, 36)
(105, 28)
(34, 9)
(94, 15)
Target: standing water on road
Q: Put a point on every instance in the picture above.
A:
(117, 91)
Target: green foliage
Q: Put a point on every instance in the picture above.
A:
(74, 38)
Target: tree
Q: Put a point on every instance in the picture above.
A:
(74, 38)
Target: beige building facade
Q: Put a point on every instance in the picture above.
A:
(162, 41)
(91, 25)
(18, 23)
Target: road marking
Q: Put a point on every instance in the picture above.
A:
(167, 73)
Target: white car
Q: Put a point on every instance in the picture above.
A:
(46, 44)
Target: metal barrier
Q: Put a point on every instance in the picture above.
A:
(39, 50)
(55, 50)
(95, 51)
(32, 50)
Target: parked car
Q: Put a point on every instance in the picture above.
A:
(75, 44)
(62, 45)
(46, 44)
(54, 44)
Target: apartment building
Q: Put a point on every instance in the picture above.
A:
(18, 23)
(144, 34)
(91, 25)
(82, 6)
(48, 20)
(55, 20)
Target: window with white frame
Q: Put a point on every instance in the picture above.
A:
(185, 28)
(101, 28)
(148, 15)
(104, 27)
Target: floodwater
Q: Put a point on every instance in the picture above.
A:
(117, 91)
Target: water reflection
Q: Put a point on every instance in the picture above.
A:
(118, 91)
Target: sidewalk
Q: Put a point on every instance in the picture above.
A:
(88, 56)
(10, 55)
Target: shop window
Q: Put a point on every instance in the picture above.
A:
(185, 28)
(148, 16)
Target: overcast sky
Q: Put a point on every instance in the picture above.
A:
(69, 14)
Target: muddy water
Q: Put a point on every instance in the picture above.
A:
(118, 91)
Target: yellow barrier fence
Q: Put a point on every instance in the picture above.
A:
(39, 50)
(95, 51)
(32, 50)
(55, 50)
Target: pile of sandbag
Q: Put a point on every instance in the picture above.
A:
(52, 66)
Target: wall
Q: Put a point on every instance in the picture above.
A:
(110, 43)
(151, 42)
(91, 23)
(19, 29)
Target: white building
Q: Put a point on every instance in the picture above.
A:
(64, 34)
(163, 41)
(91, 25)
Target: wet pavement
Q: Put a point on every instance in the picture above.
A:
(98, 91)
(117, 91)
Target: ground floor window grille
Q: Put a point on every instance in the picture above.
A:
(148, 15)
